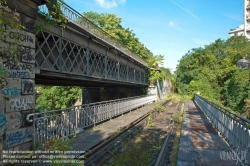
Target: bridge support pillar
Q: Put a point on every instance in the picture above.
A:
(17, 74)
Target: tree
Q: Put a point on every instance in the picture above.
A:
(212, 72)
(56, 97)
(111, 24)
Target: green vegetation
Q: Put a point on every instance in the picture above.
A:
(178, 115)
(174, 97)
(111, 24)
(159, 107)
(51, 97)
(174, 153)
(138, 151)
(56, 97)
(151, 122)
(117, 131)
(178, 118)
(10, 20)
(63, 146)
(212, 72)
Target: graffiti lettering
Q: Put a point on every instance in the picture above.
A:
(25, 66)
(28, 25)
(28, 86)
(11, 92)
(18, 103)
(20, 37)
(11, 65)
(17, 137)
(26, 54)
(3, 121)
(18, 74)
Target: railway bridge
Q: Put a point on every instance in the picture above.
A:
(81, 54)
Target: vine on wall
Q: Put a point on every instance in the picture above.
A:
(53, 17)
(8, 20)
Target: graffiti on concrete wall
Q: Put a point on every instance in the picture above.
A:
(20, 103)
(14, 120)
(16, 137)
(11, 92)
(27, 54)
(3, 122)
(28, 86)
(18, 69)
(22, 37)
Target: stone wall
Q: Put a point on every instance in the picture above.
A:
(17, 84)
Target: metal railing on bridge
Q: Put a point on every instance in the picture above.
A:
(67, 122)
(234, 129)
(86, 24)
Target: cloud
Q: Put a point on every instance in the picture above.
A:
(171, 23)
(185, 10)
(107, 4)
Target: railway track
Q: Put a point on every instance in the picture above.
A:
(162, 157)
(101, 152)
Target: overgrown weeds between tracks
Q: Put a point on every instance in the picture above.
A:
(178, 98)
(174, 153)
(158, 107)
(140, 149)
(177, 117)
(151, 122)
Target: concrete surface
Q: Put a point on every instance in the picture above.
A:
(199, 142)
(91, 137)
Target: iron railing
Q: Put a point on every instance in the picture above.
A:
(67, 122)
(86, 24)
(57, 54)
(234, 129)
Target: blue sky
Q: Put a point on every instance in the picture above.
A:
(171, 27)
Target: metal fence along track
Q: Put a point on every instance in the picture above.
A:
(66, 122)
(234, 128)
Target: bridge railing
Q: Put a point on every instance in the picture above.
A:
(67, 122)
(86, 24)
(234, 129)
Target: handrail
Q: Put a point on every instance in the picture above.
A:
(68, 122)
(86, 24)
(88, 105)
(226, 111)
(232, 127)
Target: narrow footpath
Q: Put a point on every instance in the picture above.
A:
(199, 143)
(91, 137)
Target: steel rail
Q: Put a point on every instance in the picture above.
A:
(161, 155)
